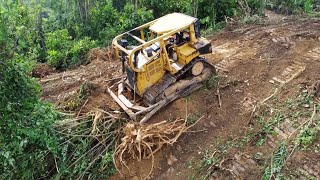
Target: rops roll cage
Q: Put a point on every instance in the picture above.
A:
(144, 44)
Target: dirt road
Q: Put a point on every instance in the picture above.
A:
(260, 65)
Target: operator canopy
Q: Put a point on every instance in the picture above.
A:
(171, 22)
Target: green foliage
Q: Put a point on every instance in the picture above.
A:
(215, 11)
(161, 8)
(132, 17)
(109, 22)
(293, 6)
(273, 122)
(214, 28)
(309, 131)
(18, 30)
(86, 150)
(261, 140)
(210, 12)
(64, 52)
(307, 136)
(256, 6)
(212, 82)
(104, 22)
(208, 159)
(277, 162)
(57, 43)
(107, 163)
(192, 118)
(83, 93)
(26, 133)
(294, 109)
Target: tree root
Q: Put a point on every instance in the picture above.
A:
(143, 141)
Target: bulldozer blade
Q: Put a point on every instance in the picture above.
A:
(132, 110)
(121, 104)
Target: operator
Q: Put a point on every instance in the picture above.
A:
(178, 38)
(136, 59)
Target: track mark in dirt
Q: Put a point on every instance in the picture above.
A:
(290, 73)
(287, 126)
(224, 51)
(302, 164)
(226, 55)
(284, 41)
(314, 54)
(309, 168)
(271, 141)
(225, 65)
(242, 164)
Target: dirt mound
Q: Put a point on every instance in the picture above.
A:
(105, 54)
(41, 70)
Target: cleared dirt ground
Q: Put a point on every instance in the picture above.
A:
(266, 64)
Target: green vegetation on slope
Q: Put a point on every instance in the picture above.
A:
(26, 133)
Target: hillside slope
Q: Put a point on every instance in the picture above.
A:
(264, 70)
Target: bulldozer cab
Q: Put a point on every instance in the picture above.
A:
(154, 56)
(159, 40)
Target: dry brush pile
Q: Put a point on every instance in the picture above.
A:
(89, 141)
(101, 139)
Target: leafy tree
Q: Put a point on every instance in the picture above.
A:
(164, 7)
(18, 29)
(109, 22)
(294, 6)
(64, 52)
(26, 133)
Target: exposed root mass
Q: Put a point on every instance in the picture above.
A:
(143, 141)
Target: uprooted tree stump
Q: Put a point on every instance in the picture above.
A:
(143, 141)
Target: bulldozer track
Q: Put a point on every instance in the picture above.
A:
(151, 95)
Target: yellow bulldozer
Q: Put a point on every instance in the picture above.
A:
(161, 62)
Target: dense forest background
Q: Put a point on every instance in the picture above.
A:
(60, 33)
